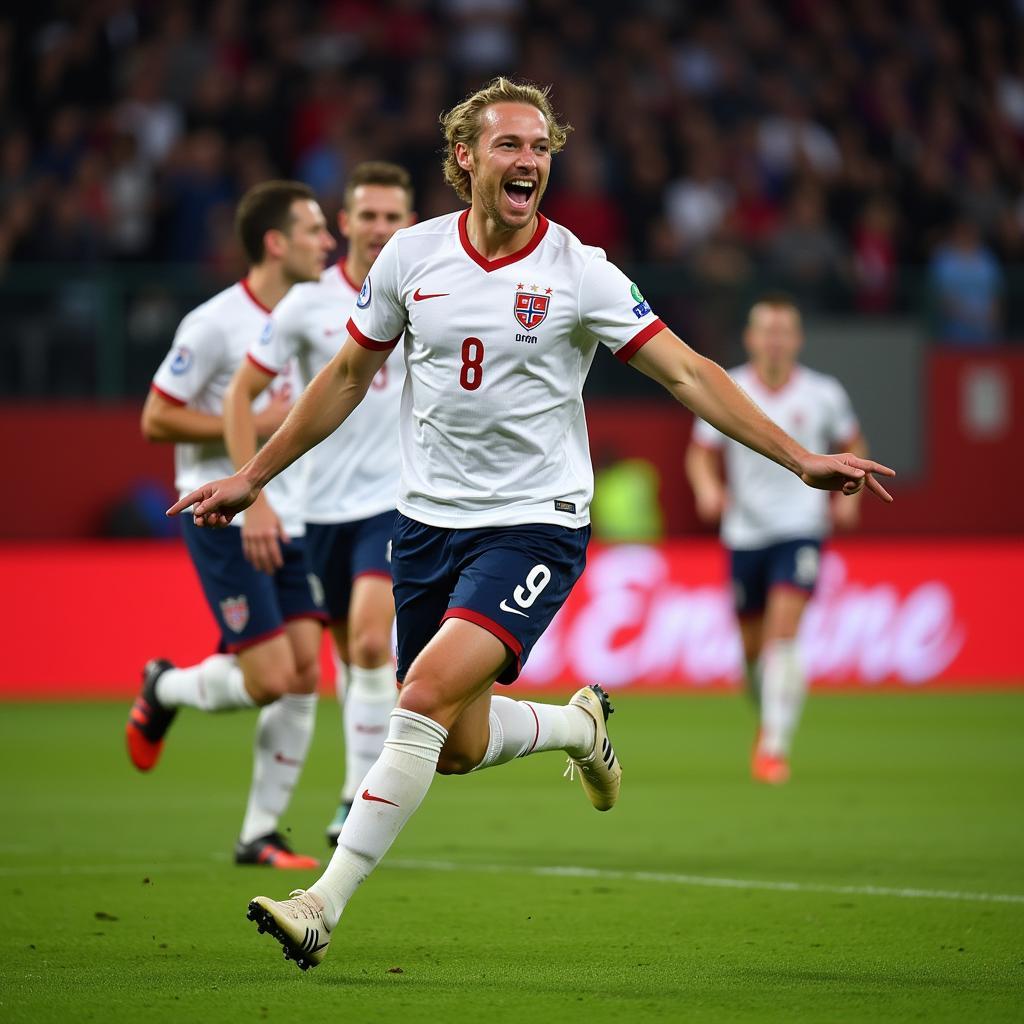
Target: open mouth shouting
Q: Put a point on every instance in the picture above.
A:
(520, 192)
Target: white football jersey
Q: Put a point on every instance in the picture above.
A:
(207, 349)
(353, 473)
(496, 352)
(767, 503)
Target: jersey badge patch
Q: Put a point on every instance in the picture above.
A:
(642, 307)
(531, 308)
(365, 293)
(182, 361)
(236, 612)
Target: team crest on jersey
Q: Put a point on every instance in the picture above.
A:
(236, 612)
(531, 308)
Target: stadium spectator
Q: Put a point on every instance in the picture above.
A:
(701, 109)
(967, 286)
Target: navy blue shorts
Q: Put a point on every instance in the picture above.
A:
(508, 579)
(339, 552)
(789, 563)
(250, 606)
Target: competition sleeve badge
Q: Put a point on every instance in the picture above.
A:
(365, 294)
(531, 307)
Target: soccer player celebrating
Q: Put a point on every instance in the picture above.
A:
(353, 475)
(771, 525)
(269, 616)
(501, 312)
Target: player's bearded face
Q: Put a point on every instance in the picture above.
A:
(511, 163)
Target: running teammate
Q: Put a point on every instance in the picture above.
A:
(268, 613)
(353, 475)
(773, 527)
(501, 312)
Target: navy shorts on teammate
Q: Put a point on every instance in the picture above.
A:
(756, 571)
(511, 580)
(339, 552)
(250, 606)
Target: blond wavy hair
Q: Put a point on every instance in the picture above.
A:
(462, 123)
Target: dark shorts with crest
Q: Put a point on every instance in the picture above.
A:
(341, 552)
(510, 580)
(251, 606)
(756, 571)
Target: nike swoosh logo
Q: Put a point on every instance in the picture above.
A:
(418, 296)
(330, 331)
(281, 759)
(367, 795)
(504, 606)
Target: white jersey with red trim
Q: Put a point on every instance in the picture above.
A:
(353, 473)
(767, 503)
(496, 351)
(207, 349)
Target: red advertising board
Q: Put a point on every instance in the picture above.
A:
(80, 619)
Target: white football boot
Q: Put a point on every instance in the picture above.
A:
(600, 771)
(298, 924)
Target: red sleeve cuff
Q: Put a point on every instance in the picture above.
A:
(262, 367)
(638, 341)
(173, 399)
(376, 346)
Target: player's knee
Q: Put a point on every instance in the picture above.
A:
(370, 648)
(307, 677)
(265, 687)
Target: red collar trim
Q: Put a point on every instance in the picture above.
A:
(343, 270)
(502, 261)
(252, 295)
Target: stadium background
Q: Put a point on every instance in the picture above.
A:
(868, 160)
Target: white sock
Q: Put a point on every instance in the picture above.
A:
(394, 787)
(368, 704)
(283, 734)
(216, 684)
(520, 727)
(783, 687)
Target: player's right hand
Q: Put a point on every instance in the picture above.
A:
(216, 504)
(261, 535)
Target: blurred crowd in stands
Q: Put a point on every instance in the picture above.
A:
(830, 146)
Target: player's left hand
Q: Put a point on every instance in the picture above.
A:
(847, 473)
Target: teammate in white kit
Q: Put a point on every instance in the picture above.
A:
(771, 525)
(353, 474)
(269, 616)
(501, 312)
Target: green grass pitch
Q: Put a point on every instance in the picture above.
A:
(884, 883)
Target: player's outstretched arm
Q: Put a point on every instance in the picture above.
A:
(331, 396)
(704, 387)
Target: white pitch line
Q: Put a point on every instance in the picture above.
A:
(557, 871)
(708, 882)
